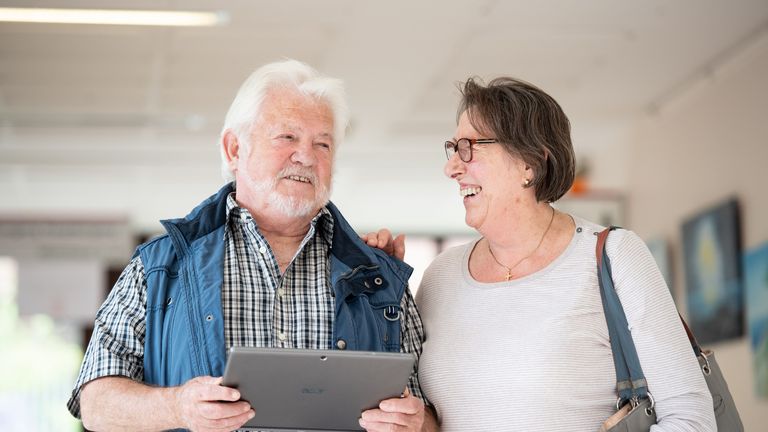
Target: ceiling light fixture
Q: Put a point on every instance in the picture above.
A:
(113, 17)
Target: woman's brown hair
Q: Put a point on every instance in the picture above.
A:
(530, 125)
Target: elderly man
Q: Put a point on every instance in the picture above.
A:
(267, 261)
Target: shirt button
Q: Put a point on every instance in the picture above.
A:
(282, 336)
(280, 292)
(263, 250)
(341, 344)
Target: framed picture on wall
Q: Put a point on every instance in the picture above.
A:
(756, 287)
(602, 207)
(712, 257)
(659, 248)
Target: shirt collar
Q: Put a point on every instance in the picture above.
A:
(322, 222)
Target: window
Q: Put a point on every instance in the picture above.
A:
(40, 362)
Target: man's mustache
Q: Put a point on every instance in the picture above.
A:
(300, 172)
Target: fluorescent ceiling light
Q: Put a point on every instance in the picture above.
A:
(116, 17)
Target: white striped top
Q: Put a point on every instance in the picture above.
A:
(533, 354)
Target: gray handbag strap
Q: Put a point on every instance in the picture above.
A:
(630, 380)
(694, 343)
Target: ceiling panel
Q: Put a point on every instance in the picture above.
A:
(133, 97)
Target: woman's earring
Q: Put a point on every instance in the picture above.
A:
(526, 183)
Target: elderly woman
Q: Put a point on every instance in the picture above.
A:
(516, 335)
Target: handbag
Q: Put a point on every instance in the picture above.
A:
(635, 405)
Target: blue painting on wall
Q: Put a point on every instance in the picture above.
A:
(659, 248)
(712, 250)
(756, 287)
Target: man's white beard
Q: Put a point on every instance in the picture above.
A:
(289, 206)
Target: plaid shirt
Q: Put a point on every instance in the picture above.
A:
(261, 307)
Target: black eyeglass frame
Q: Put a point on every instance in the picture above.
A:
(452, 148)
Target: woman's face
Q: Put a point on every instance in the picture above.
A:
(490, 185)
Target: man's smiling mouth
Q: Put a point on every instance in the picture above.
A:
(299, 178)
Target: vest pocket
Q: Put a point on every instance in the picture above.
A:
(388, 318)
(162, 304)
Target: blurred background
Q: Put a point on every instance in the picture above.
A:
(105, 129)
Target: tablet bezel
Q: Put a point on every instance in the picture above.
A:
(318, 390)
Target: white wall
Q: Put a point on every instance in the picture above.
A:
(708, 144)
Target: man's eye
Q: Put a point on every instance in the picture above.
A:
(324, 145)
(287, 137)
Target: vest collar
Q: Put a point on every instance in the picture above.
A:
(358, 259)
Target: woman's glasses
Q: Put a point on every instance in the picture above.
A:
(464, 147)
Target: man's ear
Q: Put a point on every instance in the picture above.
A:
(230, 146)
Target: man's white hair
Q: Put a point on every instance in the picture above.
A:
(290, 74)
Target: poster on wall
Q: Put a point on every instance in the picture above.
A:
(712, 248)
(756, 287)
(659, 248)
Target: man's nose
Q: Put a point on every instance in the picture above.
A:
(304, 153)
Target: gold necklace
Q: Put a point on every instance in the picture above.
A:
(509, 269)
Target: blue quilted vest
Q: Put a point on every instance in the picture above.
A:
(184, 274)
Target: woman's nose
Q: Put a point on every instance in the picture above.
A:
(454, 166)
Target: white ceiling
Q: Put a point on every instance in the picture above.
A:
(121, 110)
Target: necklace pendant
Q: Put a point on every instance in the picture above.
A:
(509, 276)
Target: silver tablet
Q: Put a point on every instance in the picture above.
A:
(314, 390)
